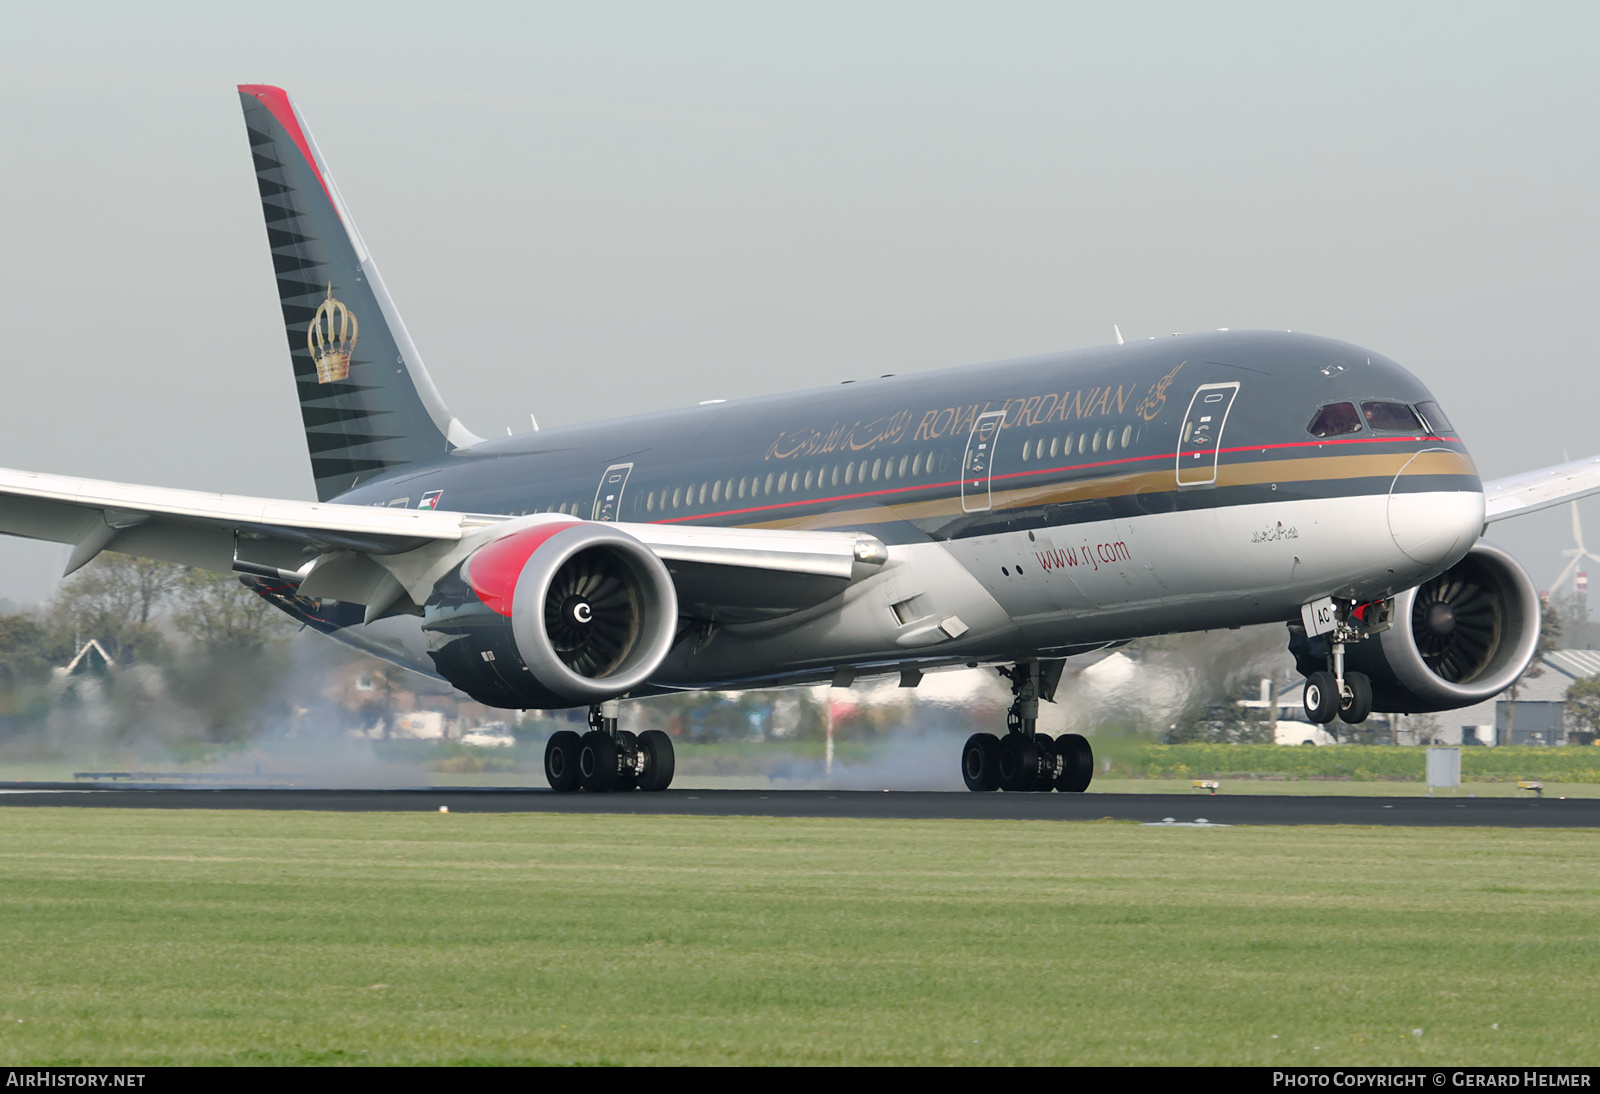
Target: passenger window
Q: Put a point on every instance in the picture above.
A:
(904, 460)
(1083, 442)
(916, 464)
(1055, 446)
(877, 465)
(1334, 420)
(1027, 446)
(1391, 417)
(1095, 444)
(1127, 435)
(716, 491)
(1434, 417)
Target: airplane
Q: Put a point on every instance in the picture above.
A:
(1008, 515)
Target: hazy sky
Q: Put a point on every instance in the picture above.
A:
(591, 209)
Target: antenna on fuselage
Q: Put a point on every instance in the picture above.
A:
(1118, 331)
(535, 422)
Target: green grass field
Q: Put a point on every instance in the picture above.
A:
(150, 937)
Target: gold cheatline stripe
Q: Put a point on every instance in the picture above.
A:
(1332, 468)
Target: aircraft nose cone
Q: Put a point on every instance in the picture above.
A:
(1432, 526)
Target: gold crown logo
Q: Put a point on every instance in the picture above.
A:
(331, 338)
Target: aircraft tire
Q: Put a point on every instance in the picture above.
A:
(980, 762)
(561, 761)
(1019, 763)
(1321, 698)
(1044, 777)
(597, 762)
(1077, 768)
(1358, 704)
(659, 761)
(627, 745)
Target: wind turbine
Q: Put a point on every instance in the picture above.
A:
(1576, 553)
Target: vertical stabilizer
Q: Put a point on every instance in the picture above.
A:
(365, 397)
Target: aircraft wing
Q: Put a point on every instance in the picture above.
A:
(1541, 489)
(364, 554)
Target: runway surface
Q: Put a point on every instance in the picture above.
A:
(1443, 811)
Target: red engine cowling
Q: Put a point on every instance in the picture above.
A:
(1457, 640)
(560, 614)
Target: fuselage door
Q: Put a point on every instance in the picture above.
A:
(608, 495)
(978, 467)
(1201, 437)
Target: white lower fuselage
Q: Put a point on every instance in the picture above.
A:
(1021, 594)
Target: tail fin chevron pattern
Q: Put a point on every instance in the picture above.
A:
(365, 397)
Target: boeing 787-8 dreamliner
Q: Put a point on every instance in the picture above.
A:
(1008, 514)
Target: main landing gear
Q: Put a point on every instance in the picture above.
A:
(608, 758)
(1026, 759)
(1331, 692)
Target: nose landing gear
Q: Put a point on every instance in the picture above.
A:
(1025, 759)
(1331, 692)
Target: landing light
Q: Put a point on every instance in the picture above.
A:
(871, 551)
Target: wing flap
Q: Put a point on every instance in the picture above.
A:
(822, 554)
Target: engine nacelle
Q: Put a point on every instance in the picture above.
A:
(1456, 640)
(560, 614)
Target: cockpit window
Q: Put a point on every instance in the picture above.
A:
(1391, 417)
(1334, 419)
(1434, 417)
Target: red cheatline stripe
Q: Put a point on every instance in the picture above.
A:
(276, 100)
(1026, 474)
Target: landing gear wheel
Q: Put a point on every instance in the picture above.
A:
(561, 761)
(980, 762)
(1357, 704)
(597, 762)
(658, 760)
(1044, 779)
(628, 756)
(1019, 763)
(1077, 766)
(1321, 698)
